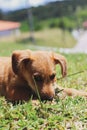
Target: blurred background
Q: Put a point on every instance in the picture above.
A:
(41, 23)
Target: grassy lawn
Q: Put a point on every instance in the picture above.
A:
(46, 37)
(60, 114)
(55, 38)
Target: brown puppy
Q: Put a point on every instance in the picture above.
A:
(30, 71)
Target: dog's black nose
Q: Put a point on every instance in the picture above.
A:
(47, 98)
(50, 98)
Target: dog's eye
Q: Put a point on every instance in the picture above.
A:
(38, 78)
(52, 76)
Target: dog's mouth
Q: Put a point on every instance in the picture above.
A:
(42, 98)
(47, 98)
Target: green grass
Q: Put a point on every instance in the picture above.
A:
(60, 114)
(46, 37)
(55, 38)
(6, 48)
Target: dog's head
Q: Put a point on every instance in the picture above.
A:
(38, 69)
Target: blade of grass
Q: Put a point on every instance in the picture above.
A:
(38, 93)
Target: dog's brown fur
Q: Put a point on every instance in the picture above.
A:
(30, 71)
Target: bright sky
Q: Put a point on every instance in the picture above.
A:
(16, 4)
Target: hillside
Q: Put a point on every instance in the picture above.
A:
(50, 10)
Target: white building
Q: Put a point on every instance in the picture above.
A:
(8, 28)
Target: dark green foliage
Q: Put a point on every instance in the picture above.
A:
(25, 26)
(62, 24)
(50, 10)
(37, 27)
(1, 14)
(65, 14)
(52, 25)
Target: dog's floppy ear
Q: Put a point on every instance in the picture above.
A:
(18, 57)
(59, 59)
